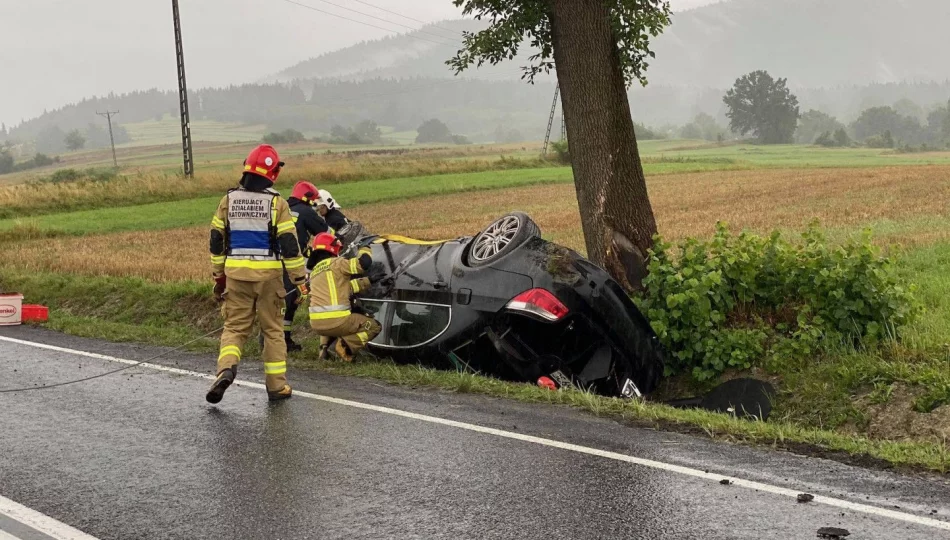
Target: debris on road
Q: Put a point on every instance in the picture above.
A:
(833, 533)
(805, 497)
(725, 481)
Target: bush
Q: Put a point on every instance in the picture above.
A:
(885, 140)
(825, 139)
(288, 136)
(563, 151)
(64, 176)
(735, 300)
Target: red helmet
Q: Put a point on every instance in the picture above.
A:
(264, 161)
(305, 191)
(327, 242)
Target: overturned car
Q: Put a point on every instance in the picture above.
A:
(508, 303)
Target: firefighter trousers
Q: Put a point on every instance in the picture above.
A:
(242, 300)
(356, 330)
(290, 311)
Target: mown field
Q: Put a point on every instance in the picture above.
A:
(134, 267)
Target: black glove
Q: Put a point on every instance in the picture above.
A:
(376, 273)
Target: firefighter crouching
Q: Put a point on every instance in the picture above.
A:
(309, 224)
(333, 281)
(253, 241)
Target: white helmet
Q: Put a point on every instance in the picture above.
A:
(325, 199)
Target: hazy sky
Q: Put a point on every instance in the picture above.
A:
(58, 51)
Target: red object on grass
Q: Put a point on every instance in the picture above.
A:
(547, 382)
(35, 313)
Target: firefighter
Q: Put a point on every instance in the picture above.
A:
(330, 211)
(333, 281)
(253, 241)
(309, 225)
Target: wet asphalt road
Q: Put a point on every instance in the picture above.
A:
(141, 455)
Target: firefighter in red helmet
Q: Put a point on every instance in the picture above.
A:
(253, 242)
(334, 280)
(309, 224)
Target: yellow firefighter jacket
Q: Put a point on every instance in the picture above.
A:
(332, 282)
(257, 228)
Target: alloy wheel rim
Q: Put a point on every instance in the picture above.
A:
(495, 238)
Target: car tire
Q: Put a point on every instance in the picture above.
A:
(500, 238)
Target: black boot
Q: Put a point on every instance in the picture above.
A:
(292, 346)
(325, 350)
(224, 380)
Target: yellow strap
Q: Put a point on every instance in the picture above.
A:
(291, 264)
(253, 265)
(329, 315)
(230, 350)
(217, 223)
(332, 289)
(406, 240)
(355, 285)
(275, 368)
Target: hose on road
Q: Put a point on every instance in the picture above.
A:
(114, 371)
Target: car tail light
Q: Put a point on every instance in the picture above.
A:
(540, 303)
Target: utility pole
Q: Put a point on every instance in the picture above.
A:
(108, 115)
(183, 97)
(547, 136)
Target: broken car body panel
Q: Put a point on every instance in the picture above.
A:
(530, 310)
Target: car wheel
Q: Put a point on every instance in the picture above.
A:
(501, 238)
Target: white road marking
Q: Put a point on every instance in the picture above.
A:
(38, 521)
(659, 465)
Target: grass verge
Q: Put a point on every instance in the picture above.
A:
(169, 314)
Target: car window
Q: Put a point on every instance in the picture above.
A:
(415, 324)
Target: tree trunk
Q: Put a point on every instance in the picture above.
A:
(615, 211)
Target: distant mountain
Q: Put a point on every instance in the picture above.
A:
(417, 54)
(813, 43)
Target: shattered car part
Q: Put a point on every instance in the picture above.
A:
(508, 303)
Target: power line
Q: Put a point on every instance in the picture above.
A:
(389, 21)
(407, 17)
(390, 30)
(108, 115)
(186, 148)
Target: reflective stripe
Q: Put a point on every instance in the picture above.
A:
(364, 337)
(366, 251)
(218, 259)
(332, 289)
(275, 368)
(217, 222)
(229, 350)
(355, 285)
(294, 263)
(254, 265)
(329, 315)
(288, 326)
(325, 309)
(285, 226)
(354, 266)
